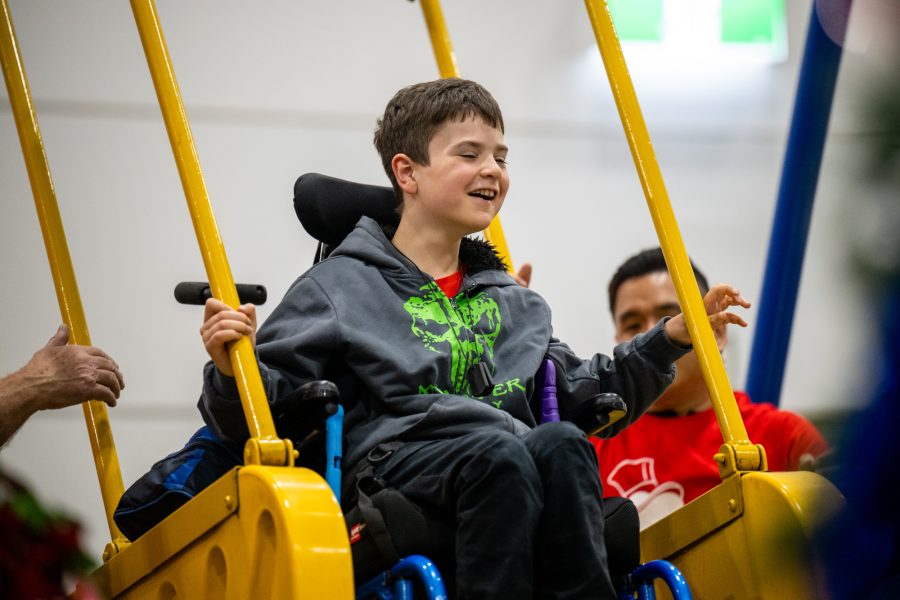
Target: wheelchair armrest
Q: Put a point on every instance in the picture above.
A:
(598, 413)
(307, 407)
(621, 534)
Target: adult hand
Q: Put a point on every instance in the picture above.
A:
(523, 277)
(61, 375)
(223, 324)
(716, 301)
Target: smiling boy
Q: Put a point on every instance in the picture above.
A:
(434, 348)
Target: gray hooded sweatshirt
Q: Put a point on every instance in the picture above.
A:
(399, 349)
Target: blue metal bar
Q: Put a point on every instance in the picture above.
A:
(625, 593)
(645, 591)
(377, 587)
(799, 176)
(642, 579)
(400, 576)
(334, 428)
(403, 589)
(418, 566)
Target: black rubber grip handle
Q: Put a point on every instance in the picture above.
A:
(198, 292)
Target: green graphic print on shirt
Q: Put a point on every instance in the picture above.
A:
(467, 325)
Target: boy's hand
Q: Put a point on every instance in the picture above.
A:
(223, 324)
(716, 301)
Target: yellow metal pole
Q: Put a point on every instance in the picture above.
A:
(264, 446)
(747, 457)
(106, 461)
(440, 38)
(446, 60)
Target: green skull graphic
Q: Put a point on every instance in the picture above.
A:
(468, 325)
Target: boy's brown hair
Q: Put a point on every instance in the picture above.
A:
(417, 112)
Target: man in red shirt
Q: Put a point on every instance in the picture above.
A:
(665, 458)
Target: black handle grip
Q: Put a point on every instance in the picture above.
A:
(198, 292)
(598, 413)
(305, 409)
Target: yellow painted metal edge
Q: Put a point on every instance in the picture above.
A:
(106, 461)
(747, 456)
(446, 60)
(784, 513)
(304, 552)
(321, 563)
(264, 447)
(180, 529)
(693, 521)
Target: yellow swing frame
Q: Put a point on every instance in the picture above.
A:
(266, 529)
(752, 535)
(748, 537)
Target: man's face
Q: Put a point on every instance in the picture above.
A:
(465, 182)
(640, 303)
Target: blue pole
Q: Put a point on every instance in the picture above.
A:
(334, 428)
(793, 210)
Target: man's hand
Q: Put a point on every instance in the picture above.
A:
(523, 277)
(61, 375)
(223, 324)
(717, 301)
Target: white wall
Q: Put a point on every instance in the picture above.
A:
(277, 89)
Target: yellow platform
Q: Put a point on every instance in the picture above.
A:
(749, 537)
(257, 532)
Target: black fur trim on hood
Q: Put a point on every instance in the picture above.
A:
(479, 255)
(476, 254)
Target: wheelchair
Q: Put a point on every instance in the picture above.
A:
(328, 209)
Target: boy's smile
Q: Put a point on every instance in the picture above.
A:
(464, 185)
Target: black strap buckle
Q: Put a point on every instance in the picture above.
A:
(479, 378)
(383, 451)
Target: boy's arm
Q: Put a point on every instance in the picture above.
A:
(642, 367)
(639, 371)
(294, 346)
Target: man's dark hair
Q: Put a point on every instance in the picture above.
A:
(646, 261)
(415, 113)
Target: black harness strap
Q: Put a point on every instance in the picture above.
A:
(376, 526)
(367, 482)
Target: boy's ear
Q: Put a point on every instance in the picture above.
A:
(402, 166)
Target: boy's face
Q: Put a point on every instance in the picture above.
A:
(640, 303)
(466, 181)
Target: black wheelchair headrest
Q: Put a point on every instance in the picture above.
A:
(329, 208)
